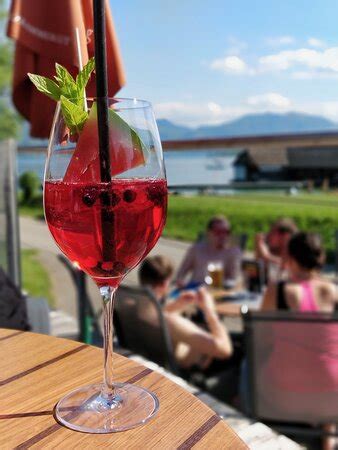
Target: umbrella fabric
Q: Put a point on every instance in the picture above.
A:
(44, 32)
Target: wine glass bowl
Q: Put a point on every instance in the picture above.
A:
(106, 228)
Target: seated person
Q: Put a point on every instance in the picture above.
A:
(304, 290)
(272, 248)
(13, 309)
(216, 247)
(193, 346)
(296, 351)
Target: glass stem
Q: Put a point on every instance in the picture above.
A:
(108, 297)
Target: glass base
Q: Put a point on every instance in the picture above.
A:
(85, 409)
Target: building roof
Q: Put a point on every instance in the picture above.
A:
(318, 157)
(264, 157)
(313, 157)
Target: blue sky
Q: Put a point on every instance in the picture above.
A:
(207, 62)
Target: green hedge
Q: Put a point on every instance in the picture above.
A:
(248, 213)
(187, 216)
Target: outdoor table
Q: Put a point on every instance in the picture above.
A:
(230, 302)
(37, 370)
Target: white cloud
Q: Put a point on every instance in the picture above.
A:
(313, 74)
(230, 65)
(271, 100)
(194, 114)
(316, 43)
(280, 40)
(236, 46)
(301, 63)
(214, 108)
(211, 113)
(314, 60)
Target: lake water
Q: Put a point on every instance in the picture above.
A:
(202, 167)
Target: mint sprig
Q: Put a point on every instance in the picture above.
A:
(74, 115)
(69, 92)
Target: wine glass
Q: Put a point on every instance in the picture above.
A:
(106, 228)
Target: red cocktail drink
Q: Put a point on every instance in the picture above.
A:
(106, 228)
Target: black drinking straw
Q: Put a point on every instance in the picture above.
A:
(102, 87)
(107, 218)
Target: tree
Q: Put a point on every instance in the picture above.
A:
(9, 119)
(29, 183)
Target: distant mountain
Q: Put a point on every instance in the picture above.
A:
(169, 130)
(251, 124)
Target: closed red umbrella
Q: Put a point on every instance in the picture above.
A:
(44, 32)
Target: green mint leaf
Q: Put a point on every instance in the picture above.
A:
(73, 114)
(62, 75)
(83, 76)
(45, 85)
(66, 82)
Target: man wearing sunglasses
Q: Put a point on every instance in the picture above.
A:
(216, 247)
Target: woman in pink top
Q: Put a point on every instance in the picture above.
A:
(304, 290)
(297, 352)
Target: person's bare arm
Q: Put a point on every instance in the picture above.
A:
(184, 301)
(217, 329)
(216, 343)
(185, 267)
(263, 252)
(270, 298)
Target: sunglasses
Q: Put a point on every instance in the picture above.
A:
(220, 232)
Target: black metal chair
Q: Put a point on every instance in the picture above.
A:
(292, 362)
(140, 326)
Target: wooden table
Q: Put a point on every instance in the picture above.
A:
(227, 305)
(37, 370)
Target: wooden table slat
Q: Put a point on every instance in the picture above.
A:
(35, 373)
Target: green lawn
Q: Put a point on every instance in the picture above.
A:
(248, 212)
(35, 279)
(251, 213)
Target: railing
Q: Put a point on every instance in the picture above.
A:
(287, 139)
(256, 143)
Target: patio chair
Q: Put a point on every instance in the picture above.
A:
(140, 326)
(292, 369)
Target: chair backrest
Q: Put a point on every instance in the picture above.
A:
(292, 366)
(9, 227)
(336, 252)
(140, 326)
